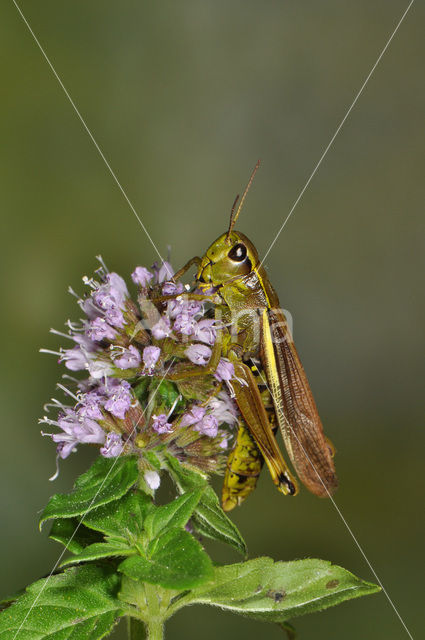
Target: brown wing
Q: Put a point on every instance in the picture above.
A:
(296, 410)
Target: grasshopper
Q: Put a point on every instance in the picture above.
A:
(270, 386)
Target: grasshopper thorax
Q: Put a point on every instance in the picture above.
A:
(230, 256)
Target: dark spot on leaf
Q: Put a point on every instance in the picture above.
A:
(332, 584)
(259, 588)
(277, 596)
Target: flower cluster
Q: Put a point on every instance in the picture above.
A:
(137, 392)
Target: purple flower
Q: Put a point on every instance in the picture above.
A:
(66, 446)
(204, 331)
(111, 297)
(184, 323)
(118, 288)
(192, 307)
(74, 359)
(141, 276)
(99, 368)
(120, 399)
(128, 358)
(89, 308)
(161, 329)
(150, 357)
(208, 426)
(90, 405)
(84, 342)
(88, 431)
(113, 446)
(160, 424)
(198, 353)
(152, 479)
(115, 317)
(183, 306)
(75, 429)
(164, 272)
(99, 330)
(223, 408)
(174, 307)
(67, 440)
(172, 288)
(104, 298)
(195, 415)
(105, 402)
(225, 370)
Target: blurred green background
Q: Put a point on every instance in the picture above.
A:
(183, 97)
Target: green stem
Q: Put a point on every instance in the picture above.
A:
(146, 620)
(155, 619)
(155, 629)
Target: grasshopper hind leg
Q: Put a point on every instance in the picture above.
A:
(246, 460)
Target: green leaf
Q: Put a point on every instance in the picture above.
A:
(107, 480)
(10, 599)
(78, 604)
(235, 581)
(277, 591)
(194, 388)
(153, 459)
(167, 393)
(209, 518)
(122, 519)
(72, 534)
(184, 478)
(175, 513)
(175, 560)
(211, 521)
(100, 550)
(141, 389)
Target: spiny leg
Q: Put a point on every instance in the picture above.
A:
(251, 406)
(195, 260)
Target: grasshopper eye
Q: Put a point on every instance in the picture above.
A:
(237, 253)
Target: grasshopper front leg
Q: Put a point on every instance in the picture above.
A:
(195, 260)
(200, 297)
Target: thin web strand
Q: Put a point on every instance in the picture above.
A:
(265, 256)
(88, 509)
(83, 122)
(341, 124)
(347, 526)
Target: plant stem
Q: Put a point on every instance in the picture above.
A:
(154, 618)
(155, 629)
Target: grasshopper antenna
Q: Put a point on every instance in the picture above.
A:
(234, 216)
(234, 206)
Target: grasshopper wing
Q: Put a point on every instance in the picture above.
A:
(295, 408)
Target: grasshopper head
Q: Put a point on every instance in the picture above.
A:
(230, 256)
